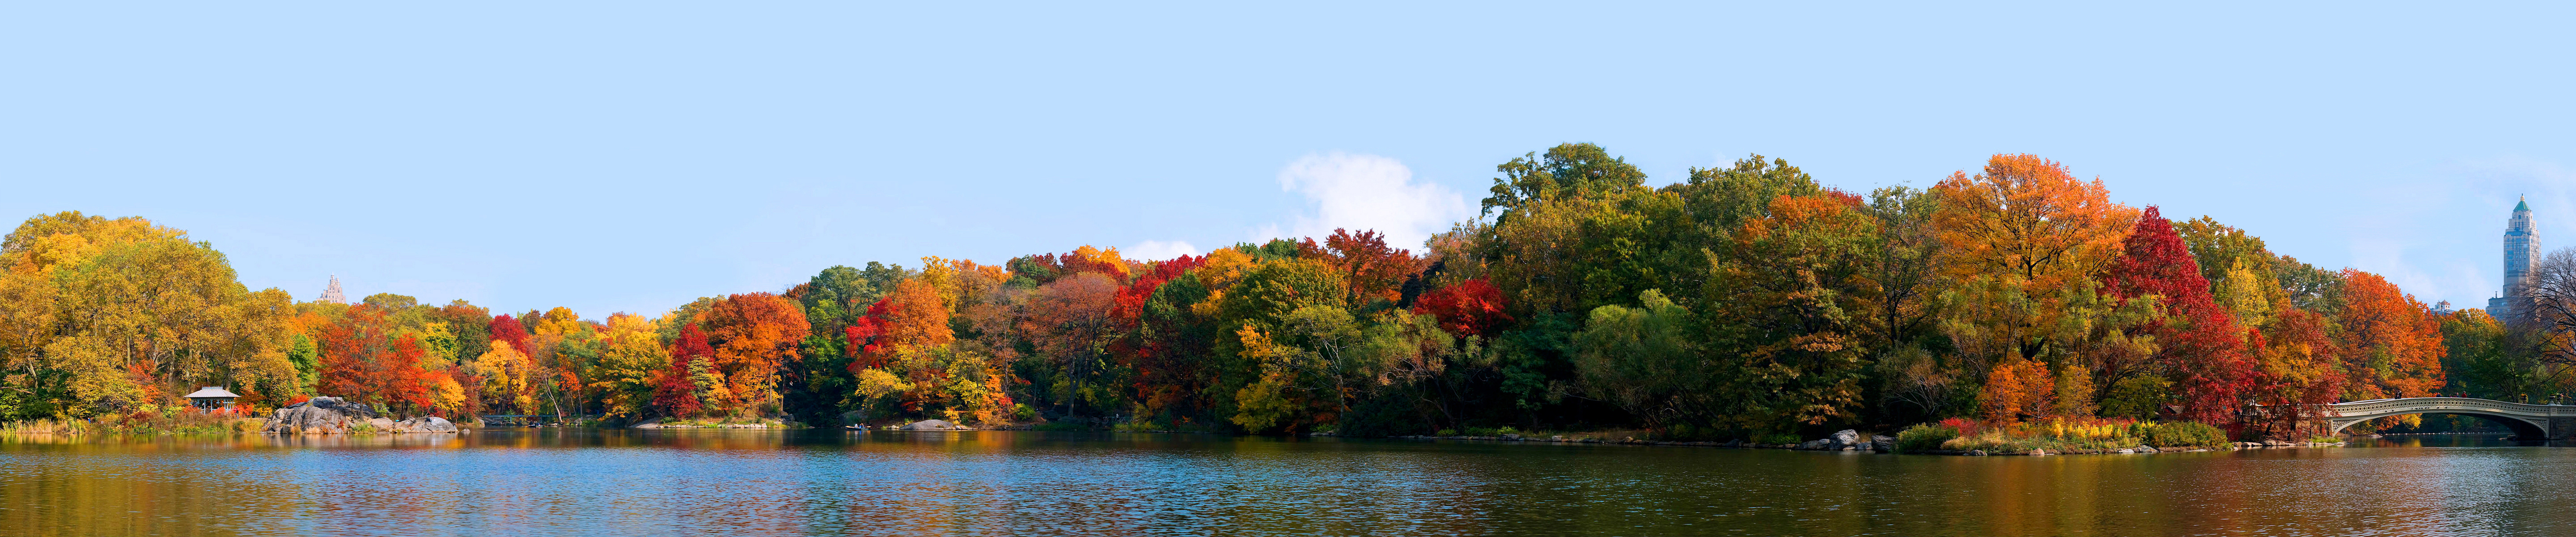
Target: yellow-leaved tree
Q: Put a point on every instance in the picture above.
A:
(2023, 239)
(109, 315)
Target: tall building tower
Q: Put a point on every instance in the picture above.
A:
(332, 294)
(2521, 249)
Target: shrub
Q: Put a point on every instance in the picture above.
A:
(1924, 437)
(2185, 434)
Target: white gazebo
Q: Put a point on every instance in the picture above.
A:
(212, 398)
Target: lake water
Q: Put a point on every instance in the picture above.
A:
(536, 482)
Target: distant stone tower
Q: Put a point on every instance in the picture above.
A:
(2521, 249)
(332, 294)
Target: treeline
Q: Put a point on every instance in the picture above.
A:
(1745, 300)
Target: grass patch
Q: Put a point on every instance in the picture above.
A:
(147, 420)
(2057, 434)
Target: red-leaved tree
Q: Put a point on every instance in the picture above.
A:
(1163, 375)
(673, 390)
(2200, 342)
(1468, 308)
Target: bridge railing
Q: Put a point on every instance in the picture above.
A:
(2415, 405)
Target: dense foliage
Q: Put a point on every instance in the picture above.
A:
(1746, 301)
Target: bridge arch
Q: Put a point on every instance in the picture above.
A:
(2530, 422)
(2522, 428)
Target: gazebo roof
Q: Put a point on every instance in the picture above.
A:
(211, 391)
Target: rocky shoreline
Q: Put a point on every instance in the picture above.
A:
(331, 415)
(1849, 440)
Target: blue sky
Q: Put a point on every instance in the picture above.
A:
(633, 156)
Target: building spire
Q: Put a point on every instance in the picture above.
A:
(332, 294)
(2521, 250)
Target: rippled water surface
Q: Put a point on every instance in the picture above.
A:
(520, 482)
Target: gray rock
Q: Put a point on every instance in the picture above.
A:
(381, 424)
(1820, 444)
(2124, 450)
(2146, 449)
(320, 415)
(930, 425)
(425, 424)
(1882, 443)
(1977, 452)
(2037, 451)
(1844, 438)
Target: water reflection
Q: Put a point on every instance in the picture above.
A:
(592, 482)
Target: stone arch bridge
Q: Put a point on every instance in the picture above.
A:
(2529, 422)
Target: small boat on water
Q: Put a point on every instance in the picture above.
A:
(855, 427)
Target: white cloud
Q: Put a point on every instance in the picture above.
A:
(1367, 192)
(1158, 250)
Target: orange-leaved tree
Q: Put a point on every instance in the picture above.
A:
(890, 344)
(2017, 388)
(2391, 345)
(2022, 237)
(1370, 269)
(754, 335)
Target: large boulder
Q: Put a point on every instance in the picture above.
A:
(930, 425)
(1817, 444)
(320, 415)
(424, 424)
(1843, 440)
(1882, 443)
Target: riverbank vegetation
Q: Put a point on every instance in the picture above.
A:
(170, 420)
(2010, 305)
(2058, 434)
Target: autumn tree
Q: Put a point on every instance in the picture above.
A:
(1468, 308)
(103, 315)
(1370, 269)
(631, 356)
(2391, 346)
(508, 377)
(682, 389)
(2017, 388)
(2201, 342)
(1070, 322)
(1166, 340)
(1783, 319)
(2017, 238)
(754, 334)
(911, 317)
